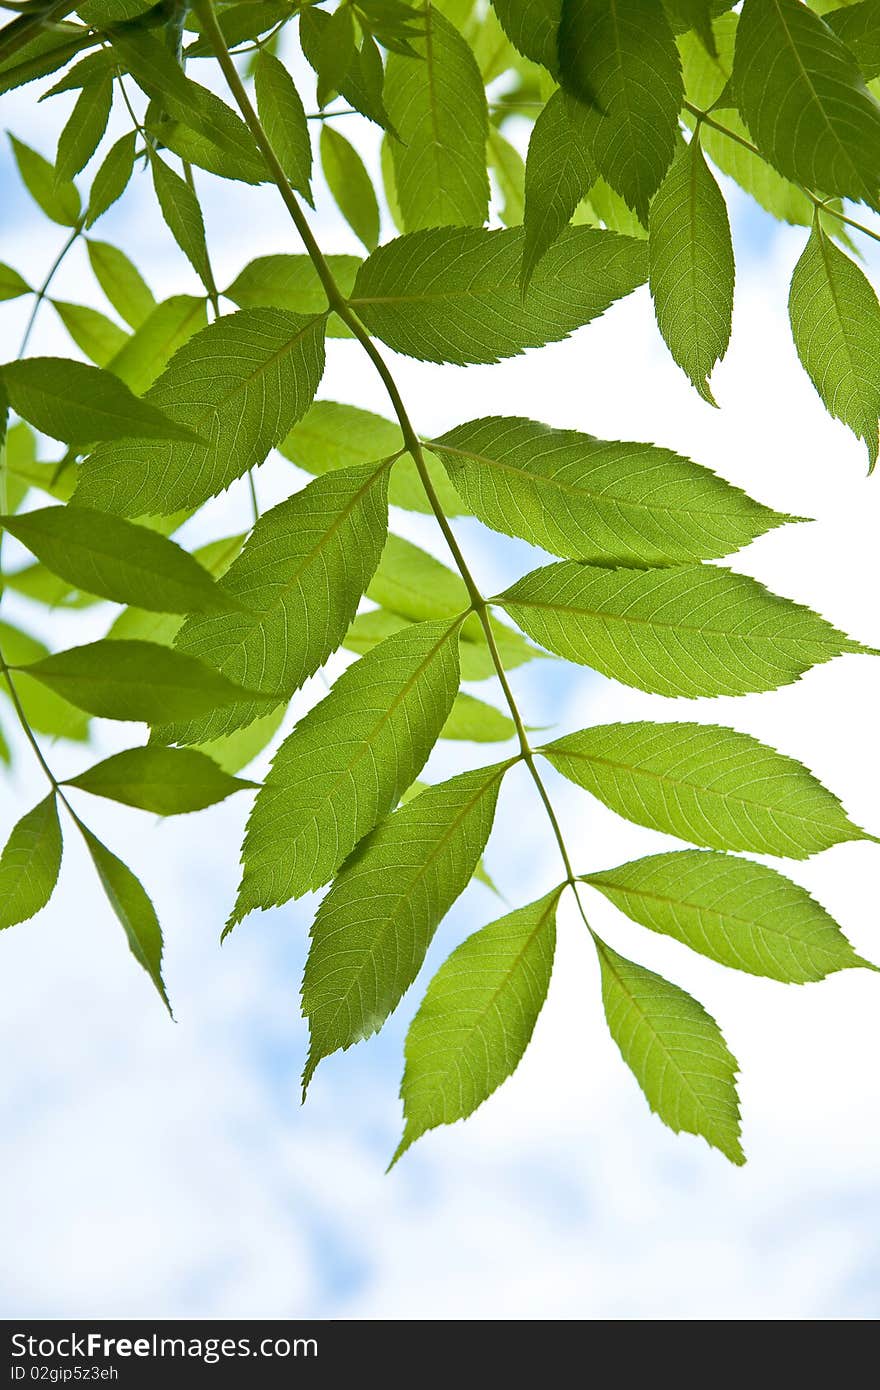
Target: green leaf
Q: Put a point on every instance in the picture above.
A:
(835, 322)
(84, 128)
(117, 560)
(58, 198)
(12, 286)
(42, 586)
(299, 579)
(291, 282)
(453, 294)
(477, 1018)
(559, 172)
(284, 120)
(706, 78)
(240, 383)
(532, 27)
(237, 750)
(473, 721)
(437, 103)
(692, 630)
(334, 436)
(858, 26)
(710, 785)
(609, 208)
(508, 166)
(619, 56)
(180, 208)
(377, 921)
(800, 93)
(350, 185)
(696, 15)
(45, 711)
(692, 267)
(140, 681)
(212, 135)
(94, 334)
(359, 85)
(418, 588)
(112, 178)
(347, 764)
(734, 911)
(215, 557)
(675, 1051)
(167, 781)
(585, 498)
(149, 349)
(77, 403)
(337, 53)
(30, 864)
(133, 908)
(122, 283)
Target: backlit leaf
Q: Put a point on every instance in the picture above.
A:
(453, 295)
(675, 1051)
(734, 911)
(30, 864)
(589, 499)
(713, 786)
(437, 104)
(835, 321)
(115, 559)
(299, 579)
(77, 403)
(477, 1018)
(166, 781)
(240, 384)
(691, 630)
(346, 764)
(140, 681)
(800, 93)
(692, 268)
(374, 926)
(133, 908)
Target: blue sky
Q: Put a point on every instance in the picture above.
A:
(161, 1169)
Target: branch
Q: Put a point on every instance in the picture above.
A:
(339, 304)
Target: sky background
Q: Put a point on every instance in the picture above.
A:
(154, 1169)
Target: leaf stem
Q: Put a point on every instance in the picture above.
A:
(339, 304)
(44, 288)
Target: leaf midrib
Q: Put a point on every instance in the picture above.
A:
(576, 489)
